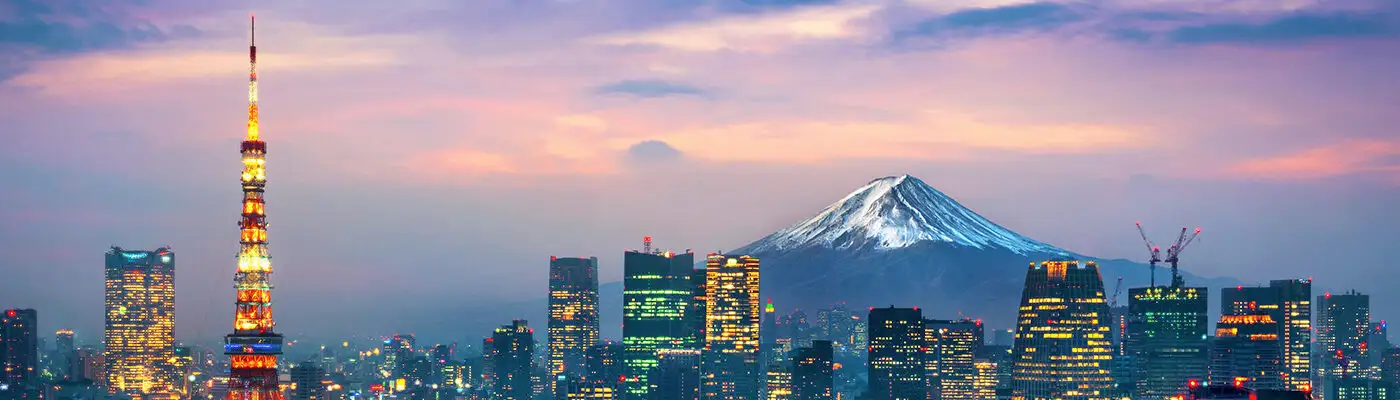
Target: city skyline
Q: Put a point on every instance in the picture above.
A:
(80, 190)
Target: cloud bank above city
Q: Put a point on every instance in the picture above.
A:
(427, 157)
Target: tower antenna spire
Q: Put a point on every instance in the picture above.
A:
(253, 28)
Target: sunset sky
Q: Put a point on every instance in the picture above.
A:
(427, 157)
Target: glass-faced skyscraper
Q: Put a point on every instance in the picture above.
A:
(952, 353)
(140, 331)
(1343, 329)
(19, 354)
(1166, 336)
(1063, 349)
(656, 295)
(512, 352)
(897, 354)
(732, 314)
(573, 317)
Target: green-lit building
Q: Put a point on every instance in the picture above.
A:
(1167, 338)
(656, 309)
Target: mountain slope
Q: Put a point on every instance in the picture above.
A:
(898, 241)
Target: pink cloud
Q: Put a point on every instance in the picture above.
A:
(1345, 158)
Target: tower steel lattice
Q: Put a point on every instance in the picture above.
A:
(253, 347)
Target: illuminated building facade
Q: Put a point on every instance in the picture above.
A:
(778, 382)
(139, 334)
(730, 370)
(253, 347)
(952, 351)
(677, 375)
(1166, 337)
(19, 354)
(984, 383)
(512, 351)
(812, 377)
(1343, 329)
(573, 318)
(1063, 349)
(656, 297)
(1289, 303)
(695, 320)
(999, 358)
(897, 354)
(1246, 352)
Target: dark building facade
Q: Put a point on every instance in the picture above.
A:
(1063, 349)
(1343, 328)
(897, 354)
(1289, 303)
(677, 375)
(1246, 352)
(573, 318)
(656, 312)
(812, 377)
(306, 382)
(512, 351)
(19, 354)
(1166, 337)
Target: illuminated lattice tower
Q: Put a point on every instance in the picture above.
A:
(253, 346)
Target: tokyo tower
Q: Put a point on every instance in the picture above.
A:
(253, 347)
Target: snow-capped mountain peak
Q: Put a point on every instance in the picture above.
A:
(896, 212)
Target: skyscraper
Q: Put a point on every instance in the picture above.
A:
(1166, 336)
(65, 357)
(1246, 352)
(1289, 303)
(656, 295)
(812, 377)
(140, 326)
(677, 375)
(513, 351)
(605, 362)
(253, 346)
(778, 380)
(306, 382)
(19, 354)
(573, 318)
(731, 328)
(1062, 346)
(1343, 328)
(695, 319)
(897, 354)
(952, 350)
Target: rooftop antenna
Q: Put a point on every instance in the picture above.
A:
(646, 245)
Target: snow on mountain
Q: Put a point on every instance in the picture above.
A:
(896, 212)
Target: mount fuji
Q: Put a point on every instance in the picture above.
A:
(898, 241)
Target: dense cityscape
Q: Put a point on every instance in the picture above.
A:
(697, 326)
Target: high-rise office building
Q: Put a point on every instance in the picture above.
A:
(1246, 352)
(605, 362)
(65, 357)
(1062, 346)
(952, 352)
(730, 360)
(139, 337)
(897, 354)
(513, 348)
(812, 377)
(573, 318)
(656, 297)
(19, 354)
(999, 356)
(677, 375)
(254, 346)
(1343, 328)
(695, 319)
(1166, 336)
(306, 382)
(1289, 303)
(443, 361)
(1390, 366)
(94, 366)
(778, 380)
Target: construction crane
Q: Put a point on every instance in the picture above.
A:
(1117, 289)
(1154, 251)
(1174, 252)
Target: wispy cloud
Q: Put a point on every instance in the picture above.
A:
(1290, 28)
(649, 88)
(1345, 158)
(757, 33)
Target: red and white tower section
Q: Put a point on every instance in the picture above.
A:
(253, 347)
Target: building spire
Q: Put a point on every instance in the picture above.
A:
(253, 81)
